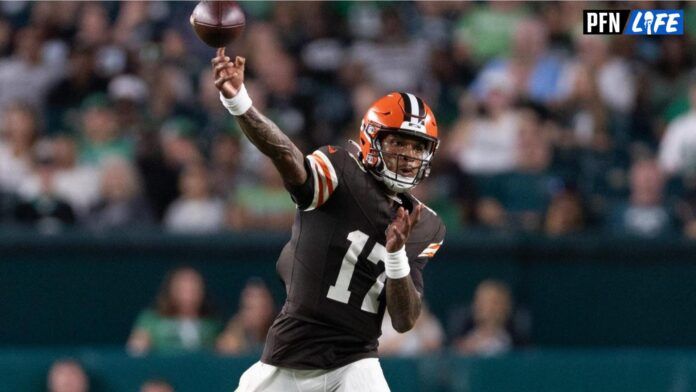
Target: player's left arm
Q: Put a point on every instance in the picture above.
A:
(403, 300)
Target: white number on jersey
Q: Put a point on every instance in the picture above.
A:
(339, 290)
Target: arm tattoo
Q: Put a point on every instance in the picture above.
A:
(272, 142)
(403, 303)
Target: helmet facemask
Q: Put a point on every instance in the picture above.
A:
(392, 179)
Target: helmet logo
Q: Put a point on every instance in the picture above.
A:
(414, 126)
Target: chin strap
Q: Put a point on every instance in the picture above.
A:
(391, 180)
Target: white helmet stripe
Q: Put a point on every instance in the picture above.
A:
(415, 112)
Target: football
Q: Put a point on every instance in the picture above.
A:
(218, 23)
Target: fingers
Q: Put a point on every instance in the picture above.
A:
(219, 67)
(220, 59)
(224, 66)
(401, 216)
(400, 237)
(400, 225)
(396, 238)
(219, 56)
(239, 61)
(400, 228)
(222, 73)
(221, 80)
(411, 219)
(405, 221)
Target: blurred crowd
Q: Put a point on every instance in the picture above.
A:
(109, 118)
(68, 375)
(181, 319)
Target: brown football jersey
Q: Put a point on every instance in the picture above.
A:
(333, 266)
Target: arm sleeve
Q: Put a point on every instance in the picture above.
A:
(323, 168)
(419, 263)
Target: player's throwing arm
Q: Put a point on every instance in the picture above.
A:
(262, 132)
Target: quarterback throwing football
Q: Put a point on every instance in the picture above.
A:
(358, 246)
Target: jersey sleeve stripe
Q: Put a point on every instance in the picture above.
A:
(325, 179)
(325, 172)
(331, 175)
(431, 249)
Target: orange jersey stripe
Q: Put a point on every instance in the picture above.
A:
(325, 170)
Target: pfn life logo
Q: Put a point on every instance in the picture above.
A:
(633, 22)
(656, 22)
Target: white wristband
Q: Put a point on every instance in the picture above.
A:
(396, 265)
(238, 104)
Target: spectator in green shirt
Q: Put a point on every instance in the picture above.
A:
(263, 205)
(181, 320)
(486, 30)
(101, 137)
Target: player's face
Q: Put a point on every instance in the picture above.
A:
(403, 154)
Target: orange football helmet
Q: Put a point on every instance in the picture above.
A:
(397, 113)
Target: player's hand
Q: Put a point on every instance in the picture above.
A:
(399, 230)
(228, 75)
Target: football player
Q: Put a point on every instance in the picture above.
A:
(358, 245)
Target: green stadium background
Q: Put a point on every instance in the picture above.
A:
(608, 312)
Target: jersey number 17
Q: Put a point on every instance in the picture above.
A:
(339, 290)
